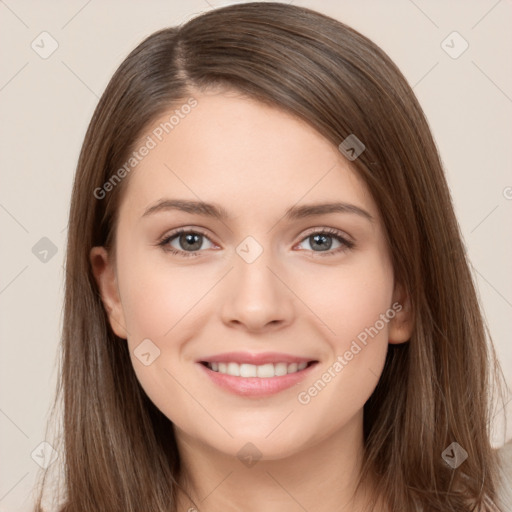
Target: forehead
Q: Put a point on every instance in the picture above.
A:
(241, 153)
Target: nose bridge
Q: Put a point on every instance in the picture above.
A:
(252, 263)
(256, 296)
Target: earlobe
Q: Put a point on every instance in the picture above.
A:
(402, 323)
(105, 276)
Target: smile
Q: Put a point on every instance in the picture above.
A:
(255, 375)
(263, 371)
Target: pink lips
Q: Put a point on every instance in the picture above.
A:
(256, 386)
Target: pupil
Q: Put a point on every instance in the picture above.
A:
(191, 239)
(324, 247)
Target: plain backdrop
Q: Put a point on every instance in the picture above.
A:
(46, 104)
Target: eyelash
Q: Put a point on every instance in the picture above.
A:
(334, 233)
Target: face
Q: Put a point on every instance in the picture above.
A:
(262, 315)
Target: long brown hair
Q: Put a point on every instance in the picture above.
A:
(119, 452)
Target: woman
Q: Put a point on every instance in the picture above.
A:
(211, 358)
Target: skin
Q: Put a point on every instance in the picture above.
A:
(255, 161)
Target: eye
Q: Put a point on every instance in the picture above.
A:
(189, 242)
(321, 241)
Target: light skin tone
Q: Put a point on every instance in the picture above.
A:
(255, 162)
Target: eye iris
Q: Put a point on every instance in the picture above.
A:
(192, 239)
(322, 237)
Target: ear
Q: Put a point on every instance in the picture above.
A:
(401, 325)
(106, 279)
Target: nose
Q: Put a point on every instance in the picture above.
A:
(257, 296)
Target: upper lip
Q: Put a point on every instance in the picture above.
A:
(255, 359)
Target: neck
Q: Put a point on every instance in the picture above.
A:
(327, 469)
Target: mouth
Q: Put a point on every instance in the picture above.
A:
(263, 371)
(256, 375)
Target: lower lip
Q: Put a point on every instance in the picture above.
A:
(256, 386)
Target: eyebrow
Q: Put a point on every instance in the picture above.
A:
(218, 212)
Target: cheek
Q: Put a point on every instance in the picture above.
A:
(163, 306)
(355, 309)
(158, 302)
(349, 300)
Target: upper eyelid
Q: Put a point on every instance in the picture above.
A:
(330, 231)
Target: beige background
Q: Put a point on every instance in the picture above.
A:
(46, 105)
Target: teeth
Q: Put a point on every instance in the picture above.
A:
(264, 371)
(246, 370)
(280, 369)
(233, 369)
